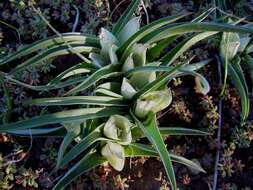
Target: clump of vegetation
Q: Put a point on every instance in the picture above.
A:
(108, 104)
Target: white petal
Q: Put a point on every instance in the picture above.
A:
(114, 153)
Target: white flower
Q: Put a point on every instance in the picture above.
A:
(114, 153)
(118, 128)
(153, 101)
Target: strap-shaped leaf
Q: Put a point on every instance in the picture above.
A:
(49, 86)
(181, 131)
(105, 72)
(51, 53)
(137, 133)
(156, 51)
(145, 30)
(89, 161)
(74, 70)
(61, 117)
(184, 28)
(235, 79)
(163, 68)
(151, 131)
(77, 100)
(202, 84)
(160, 81)
(177, 51)
(137, 149)
(41, 132)
(147, 69)
(83, 145)
(106, 92)
(125, 17)
(129, 29)
(112, 86)
(111, 89)
(195, 66)
(204, 15)
(239, 79)
(237, 67)
(229, 45)
(73, 130)
(50, 42)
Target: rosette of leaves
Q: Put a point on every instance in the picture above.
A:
(127, 72)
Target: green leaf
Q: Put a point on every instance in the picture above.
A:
(51, 53)
(195, 66)
(106, 92)
(129, 29)
(160, 68)
(141, 78)
(138, 53)
(148, 68)
(156, 51)
(112, 86)
(77, 100)
(125, 17)
(237, 67)
(75, 70)
(173, 131)
(61, 117)
(145, 30)
(137, 149)
(202, 84)
(238, 79)
(169, 31)
(229, 46)
(84, 144)
(52, 42)
(111, 89)
(105, 72)
(97, 60)
(49, 86)
(235, 79)
(43, 132)
(112, 54)
(73, 130)
(177, 51)
(88, 162)
(244, 41)
(151, 131)
(181, 131)
(160, 81)
(204, 15)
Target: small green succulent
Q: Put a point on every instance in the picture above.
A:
(127, 72)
